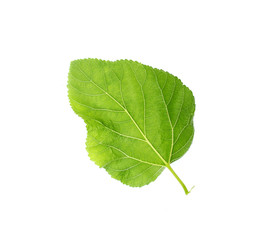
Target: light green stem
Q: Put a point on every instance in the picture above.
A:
(179, 180)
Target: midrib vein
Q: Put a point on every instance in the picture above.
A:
(132, 119)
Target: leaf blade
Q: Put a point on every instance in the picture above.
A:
(134, 112)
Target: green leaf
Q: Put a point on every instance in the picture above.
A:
(139, 119)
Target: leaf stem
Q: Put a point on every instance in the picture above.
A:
(179, 180)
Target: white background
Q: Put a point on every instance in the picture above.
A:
(49, 189)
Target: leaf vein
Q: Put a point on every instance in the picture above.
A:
(112, 130)
(132, 119)
(97, 109)
(190, 138)
(167, 111)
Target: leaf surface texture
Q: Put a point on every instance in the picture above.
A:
(139, 119)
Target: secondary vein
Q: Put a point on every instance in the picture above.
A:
(132, 119)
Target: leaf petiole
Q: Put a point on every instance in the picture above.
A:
(179, 180)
